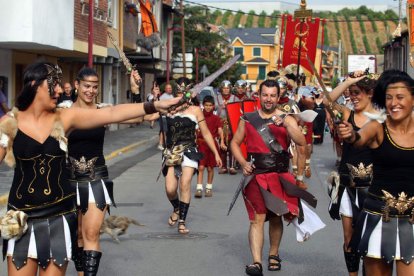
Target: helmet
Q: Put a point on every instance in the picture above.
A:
(240, 84)
(282, 81)
(183, 85)
(225, 83)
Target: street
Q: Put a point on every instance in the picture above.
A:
(217, 244)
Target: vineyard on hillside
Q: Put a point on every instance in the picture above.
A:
(362, 31)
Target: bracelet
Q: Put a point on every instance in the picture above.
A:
(299, 177)
(149, 108)
(357, 137)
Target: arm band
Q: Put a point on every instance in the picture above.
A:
(357, 137)
(149, 108)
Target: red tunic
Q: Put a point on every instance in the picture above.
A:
(269, 181)
(213, 123)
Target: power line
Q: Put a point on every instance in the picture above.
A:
(277, 16)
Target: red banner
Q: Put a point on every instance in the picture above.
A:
(304, 34)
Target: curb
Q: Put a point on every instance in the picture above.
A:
(110, 156)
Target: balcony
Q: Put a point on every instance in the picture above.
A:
(39, 25)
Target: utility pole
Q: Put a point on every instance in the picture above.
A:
(183, 37)
(90, 34)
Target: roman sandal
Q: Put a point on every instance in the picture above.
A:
(254, 269)
(274, 266)
(171, 220)
(181, 228)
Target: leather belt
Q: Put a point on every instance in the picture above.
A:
(59, 207)
(270, 162)
(100, 172)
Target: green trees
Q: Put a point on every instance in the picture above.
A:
(211, 46)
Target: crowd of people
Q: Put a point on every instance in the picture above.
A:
(61, 182)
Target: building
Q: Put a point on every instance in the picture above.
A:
(57, 31)
(397, 54)
(258, 49)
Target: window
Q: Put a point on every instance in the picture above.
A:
(239, 51)
(243, 70)
(262, 72)
(257, 51)
(112, 13)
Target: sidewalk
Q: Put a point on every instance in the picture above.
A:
(117, 144)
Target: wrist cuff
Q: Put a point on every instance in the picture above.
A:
(149, 108)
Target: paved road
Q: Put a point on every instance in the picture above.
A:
(217, 244)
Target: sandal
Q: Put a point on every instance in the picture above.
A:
(254, 269)
(274, 266)
(171, 220)
(182, 229)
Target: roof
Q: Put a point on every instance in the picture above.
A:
(253, 35)
(258, 59)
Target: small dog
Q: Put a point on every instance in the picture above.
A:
(116, 226)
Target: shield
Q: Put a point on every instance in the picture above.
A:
(234, 111)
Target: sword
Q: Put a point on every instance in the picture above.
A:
(198, 87)
(333, 108)
(243, 182)
(122, 55)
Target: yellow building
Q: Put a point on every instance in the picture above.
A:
(258, 49)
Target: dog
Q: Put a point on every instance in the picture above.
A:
(116, 226)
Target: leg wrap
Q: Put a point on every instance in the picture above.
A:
(183, 208)
(175, 203)
(352, 261)
(91, 262)
(78, 260)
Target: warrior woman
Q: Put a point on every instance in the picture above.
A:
(384, 230)
(180, 157)
(355, 168)
(33, 140)
(89, 174)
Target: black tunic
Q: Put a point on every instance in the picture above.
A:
(393, 168)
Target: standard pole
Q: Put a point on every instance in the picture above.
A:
(183, 36)
(90, 34)
(299, 50)
(168, 55)
(196, 66)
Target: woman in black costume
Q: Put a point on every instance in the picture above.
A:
(89, 174)
(355, 168)
(181, 156)
(384, 230)
(33, 139)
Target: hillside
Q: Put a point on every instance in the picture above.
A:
(359, 35)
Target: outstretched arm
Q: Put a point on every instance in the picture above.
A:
(83, 118)
(370, 135)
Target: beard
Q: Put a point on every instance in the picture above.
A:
(268, 110)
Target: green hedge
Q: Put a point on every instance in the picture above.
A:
(226, 16)
(262, 18)
(338, 31)
(237, 18)
(249, 20)
(351, 34)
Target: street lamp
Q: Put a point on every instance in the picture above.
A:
(171, 29)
